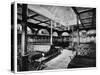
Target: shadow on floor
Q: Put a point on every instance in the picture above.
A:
(82, 62)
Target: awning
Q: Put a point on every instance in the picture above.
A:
(60, 14)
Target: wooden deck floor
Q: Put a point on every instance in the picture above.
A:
(61, 61)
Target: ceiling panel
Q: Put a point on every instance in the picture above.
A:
(86, 15)
(30, 12)
(87, 20)
(88, 24)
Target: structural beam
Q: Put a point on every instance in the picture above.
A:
(86, 11)
(33, 16)
(40, 21)
(44, 22)
(32, 25)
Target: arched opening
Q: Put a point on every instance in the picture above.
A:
(65, 34)
(91, 35)
(55, 34)
(82, 33)
(43, 32)
(29, 31)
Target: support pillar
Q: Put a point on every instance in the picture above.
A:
(78, 37)
(24, 61)
(51, 33)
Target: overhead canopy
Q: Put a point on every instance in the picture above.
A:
(60, 14)
(63, 17)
